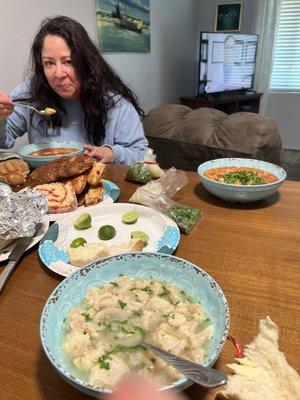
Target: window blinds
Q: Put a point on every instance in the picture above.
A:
(286, 54)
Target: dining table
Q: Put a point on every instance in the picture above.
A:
(252, 250)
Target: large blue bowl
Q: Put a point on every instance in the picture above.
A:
(241, 193)
(36, 161)
(71, 291)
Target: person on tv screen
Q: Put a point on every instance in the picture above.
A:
(228, 63)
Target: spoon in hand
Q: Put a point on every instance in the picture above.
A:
(46, 112)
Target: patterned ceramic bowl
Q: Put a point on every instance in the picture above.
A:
(71, 291)
(241, 193)
(74, 149)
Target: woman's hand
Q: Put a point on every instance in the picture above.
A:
(6, 106)
(137, 388)
(101, 153)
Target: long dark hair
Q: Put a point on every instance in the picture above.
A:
(100, 85)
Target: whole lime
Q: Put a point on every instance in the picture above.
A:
(106, 232)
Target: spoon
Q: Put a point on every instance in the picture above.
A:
(204, 376)
(46, 112)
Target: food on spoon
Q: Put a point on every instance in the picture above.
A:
(130, 217)
(13, 172)
(240, 175)
(106, 232)
(48, 111)
(77, 242)
(84, 221)
(61, 197)
(140, 235)
(94, 251)
(95, 174)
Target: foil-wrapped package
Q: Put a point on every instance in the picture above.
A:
(20, 212)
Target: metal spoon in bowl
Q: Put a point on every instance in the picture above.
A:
(46, 112)
(204, 376)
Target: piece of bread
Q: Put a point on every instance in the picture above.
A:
(13, 172)
(61, 197)
(78, 182)
(263, 373)
(64, 167)
(94, 195)
(91, 252)
(95, 174)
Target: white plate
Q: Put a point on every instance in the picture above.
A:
(40, 233)
(163, 233)
(110, 195)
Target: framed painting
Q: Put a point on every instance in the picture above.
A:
(228, 17)
(123, 26)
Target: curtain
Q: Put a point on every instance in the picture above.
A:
(267, 14)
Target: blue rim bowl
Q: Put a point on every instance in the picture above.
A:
(37, 161)
(71, 291)
(241, 193)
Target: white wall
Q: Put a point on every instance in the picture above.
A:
(158, 77)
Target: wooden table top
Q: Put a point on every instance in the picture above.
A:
(251, 250)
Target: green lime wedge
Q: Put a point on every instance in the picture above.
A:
(84, 221)
(77, 242)
(140, 235)
(106, 232)
(130, 217)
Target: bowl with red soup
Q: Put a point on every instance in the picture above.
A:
(37, 154)
(241, 179)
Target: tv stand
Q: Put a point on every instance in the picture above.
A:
(227, 102)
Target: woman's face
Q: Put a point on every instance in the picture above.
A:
(59, 69)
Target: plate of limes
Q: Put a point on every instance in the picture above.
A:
(88, 235)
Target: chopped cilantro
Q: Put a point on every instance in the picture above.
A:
(148, 290)
(122, 304)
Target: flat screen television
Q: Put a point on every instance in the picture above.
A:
(226, 62)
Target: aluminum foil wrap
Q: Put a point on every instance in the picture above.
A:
(20, 212)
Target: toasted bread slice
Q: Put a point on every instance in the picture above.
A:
(94, 195)
(61, 197)
(78, 182)
(95, 174)
(91, 252)
(13, 172)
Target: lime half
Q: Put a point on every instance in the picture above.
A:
(78, 242)
(84, 221)
(130, 217)
(106, 232)
(140, 235)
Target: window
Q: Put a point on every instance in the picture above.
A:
(285, 74)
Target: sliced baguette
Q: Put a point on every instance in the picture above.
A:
(91, 252)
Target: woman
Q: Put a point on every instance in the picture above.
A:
(93, 106)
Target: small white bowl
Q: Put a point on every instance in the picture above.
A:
(241, 193)
(37, 161)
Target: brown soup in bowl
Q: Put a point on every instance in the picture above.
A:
(53, 151)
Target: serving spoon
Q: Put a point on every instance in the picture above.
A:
(46, 112)
(204, 376)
